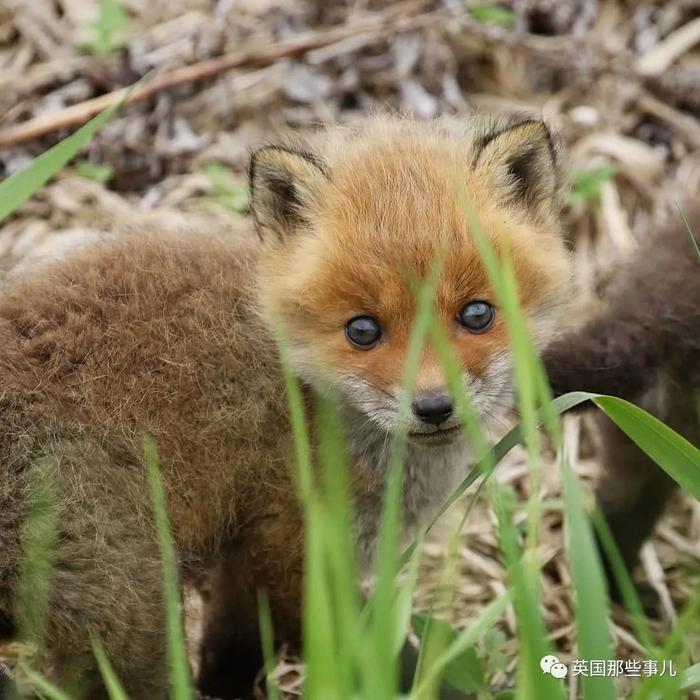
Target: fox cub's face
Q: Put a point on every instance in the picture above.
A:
(351, 223)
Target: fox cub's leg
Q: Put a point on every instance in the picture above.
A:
(231, 654)
(267, 557)
(106, 578)
(631, 494)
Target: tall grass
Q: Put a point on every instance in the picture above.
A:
(180, 680)
(352, 644)
(15, 190)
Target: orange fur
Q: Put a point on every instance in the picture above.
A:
(392, 205)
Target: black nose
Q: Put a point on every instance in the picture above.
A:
(433, 408)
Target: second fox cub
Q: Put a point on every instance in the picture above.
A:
(643, 346)
(174, 334)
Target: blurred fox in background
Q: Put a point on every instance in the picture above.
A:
(643, 346)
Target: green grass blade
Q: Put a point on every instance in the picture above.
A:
(300, 433)
(38, 544)
(181, 683)
(17, 188)
(114, 687)
(523, 570)
(586, 186)
(492, 14)
(109, 29)
(20, 186)
(677, 646)
(466, 639)
(436, 635)
(688, 228)
(94, 171)
(337, 498)
(318, 621)
(383, 600)
(465, 672)
(43, 686)
(672, 452)
(591, 601)
(624, 582)
(268, 646)
(404, 599)
(690, 680)
(335, 527)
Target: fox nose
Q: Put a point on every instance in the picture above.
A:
(433, 407)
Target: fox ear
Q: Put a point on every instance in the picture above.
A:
(285, 186)
(520, 162)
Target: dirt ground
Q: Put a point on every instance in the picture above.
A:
(619, 81)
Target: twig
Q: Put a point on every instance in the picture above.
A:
(660, 58)
(683, 123)
(78, 114)
(657, 579)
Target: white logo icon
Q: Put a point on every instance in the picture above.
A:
(551, 664)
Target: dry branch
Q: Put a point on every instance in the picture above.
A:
(393, 19)
(686, 125)
(660, 58)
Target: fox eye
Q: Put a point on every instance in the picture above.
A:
(477, 316)
(363, 332)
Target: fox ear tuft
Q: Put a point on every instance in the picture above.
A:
(285, 185)
(520, 162)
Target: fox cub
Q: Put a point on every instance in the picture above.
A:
(174, 334)
(643, 346)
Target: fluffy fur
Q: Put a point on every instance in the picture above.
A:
(644, 346)
(174, 334)
(150, 332)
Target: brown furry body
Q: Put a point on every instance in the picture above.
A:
(644, 347)
(152, 333)
(171, 334)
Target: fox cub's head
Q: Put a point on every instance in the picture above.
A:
(350, 222)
